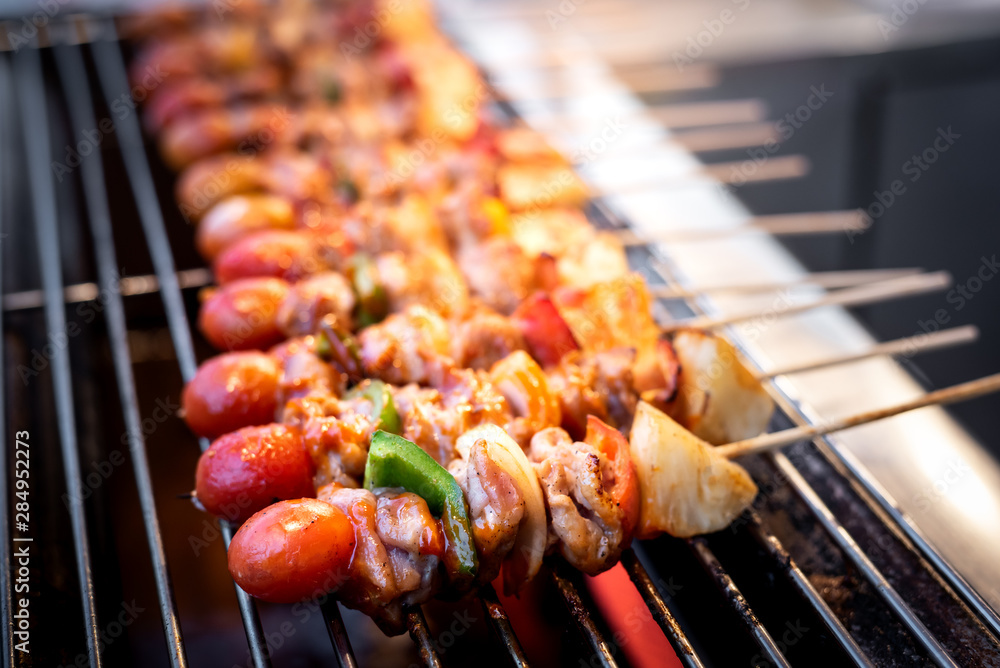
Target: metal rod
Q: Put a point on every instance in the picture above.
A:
(728, 588)
(114, 82)
(658, 607)
(69, 61)
(566, 581)
(500, 623)
(338, 634)
(805, 589)
(421, 635)
(861, 561)
(31, 93)
(128, 286)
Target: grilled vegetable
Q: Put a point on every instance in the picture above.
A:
(394, 461)
(373, 303)
(293, 550)
(687, 488)
(242, 315)
(231, 391)
(544, 330)
(625, 490)
(383, 408)
(251, 468)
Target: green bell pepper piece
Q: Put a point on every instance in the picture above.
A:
(373, 302)
(394, 461)
(383, 407)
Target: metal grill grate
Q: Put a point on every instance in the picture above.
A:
(37, 96)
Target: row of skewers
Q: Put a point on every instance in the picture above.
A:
(433, 359)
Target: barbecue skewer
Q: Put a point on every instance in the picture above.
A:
(778, 168)
(779, 439)
(777, 225)
(857, 296)
(822, 279)
(919, 343)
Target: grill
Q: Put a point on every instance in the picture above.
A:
(825, 570)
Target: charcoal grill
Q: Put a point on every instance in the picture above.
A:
(864, 586)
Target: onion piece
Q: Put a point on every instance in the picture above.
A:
(525, 557)
(686, 487)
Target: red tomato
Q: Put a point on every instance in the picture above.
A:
(243, 315)
(286, 254)
(544, 330)
(625, 491)
(232, 391)
(239, 216)
(252, 468)
(293, 550)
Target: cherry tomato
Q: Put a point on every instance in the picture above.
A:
(293, 550)
(231, 391)
(286, 254)
(242, 315)
(238, 216)
(252, 468)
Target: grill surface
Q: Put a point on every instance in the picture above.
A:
(869, 590)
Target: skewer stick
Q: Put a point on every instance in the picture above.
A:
(728, 173)
(783, 224)
(857, 296)
(945, 338)
(779, 439)
(674, 116)
(820, 279)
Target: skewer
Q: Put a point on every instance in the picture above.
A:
(781, 224)
(858, 296)
(700, 140)
(779, 439)
(778, 168)
(945, 338)
(821, 279)
(674, 116)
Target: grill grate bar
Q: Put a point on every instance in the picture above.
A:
(421, 635)
(69, 64)
(500, 623)
(567, 582)
(658, 607)
(5, 542)
(857, 556)
(113, 79)
(728, 588)
(805, 589)
(31, 93)
(338, 634)
(875, 499)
